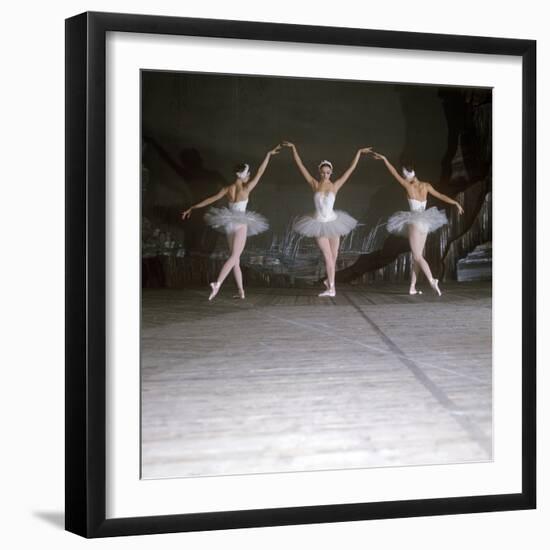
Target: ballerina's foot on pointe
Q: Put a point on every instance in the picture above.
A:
(240, 294)
(330, 291)
(435, 285)
(215, 287)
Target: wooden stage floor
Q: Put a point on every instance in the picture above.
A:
(286, 381)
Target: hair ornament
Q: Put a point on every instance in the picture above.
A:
(243, 173)
(327, 162)
(409, 176)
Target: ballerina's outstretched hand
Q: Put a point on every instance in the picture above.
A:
(346, 175)
(261, 169)
(304, 171)
(209, 200)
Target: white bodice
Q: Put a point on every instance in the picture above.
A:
(238, 206)
(324, 204)
(416, 205)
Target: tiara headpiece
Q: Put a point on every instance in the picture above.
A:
(327, 162)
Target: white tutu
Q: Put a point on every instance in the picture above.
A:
(227, 220)
(426, 220)
(326, 222)
(311, 226)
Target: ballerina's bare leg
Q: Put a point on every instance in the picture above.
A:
(334, 247)
(415, 271)
(236, 248)
(417, 240)
(325, 246)
(237, 273)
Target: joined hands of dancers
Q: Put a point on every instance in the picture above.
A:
(325, 224)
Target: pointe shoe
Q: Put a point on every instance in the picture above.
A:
(215, 287)
(331, 292)
(435, 285)
(240, 294)
(413, 291)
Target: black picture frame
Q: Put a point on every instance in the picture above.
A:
(85, 371)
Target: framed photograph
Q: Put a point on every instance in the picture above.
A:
(300, 274)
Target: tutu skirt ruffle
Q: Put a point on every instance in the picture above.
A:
(427, 221)
(228, 221)
(310, 226)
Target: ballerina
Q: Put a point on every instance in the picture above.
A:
(235, 221)
(417, 223)
(326, 225)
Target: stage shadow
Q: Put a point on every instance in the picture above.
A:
(57, 519)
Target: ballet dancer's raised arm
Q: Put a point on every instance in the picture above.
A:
(209, 200)
(407, 184)
(345, 176)
(444, 198)
(391, 169)
(261, 169)
(307, 176)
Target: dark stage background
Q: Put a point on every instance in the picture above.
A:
(196, 127)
